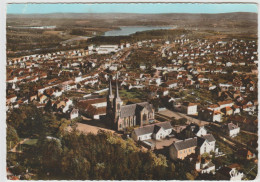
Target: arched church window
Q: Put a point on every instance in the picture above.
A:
(120, 126)
(144, 117)
(118, 106)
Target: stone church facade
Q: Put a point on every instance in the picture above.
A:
(122, 116)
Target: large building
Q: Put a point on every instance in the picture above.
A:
(122, 116)
(200, 145)
(155, 131)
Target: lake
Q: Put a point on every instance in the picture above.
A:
(133, 29)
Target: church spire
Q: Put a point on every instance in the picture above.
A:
(117, 92)
(110, 88)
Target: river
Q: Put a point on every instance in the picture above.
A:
(128, 30)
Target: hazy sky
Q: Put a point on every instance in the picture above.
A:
(129, 8)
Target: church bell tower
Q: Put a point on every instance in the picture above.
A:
(110, 98)
(117, 103)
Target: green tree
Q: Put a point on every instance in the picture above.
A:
(11, 137)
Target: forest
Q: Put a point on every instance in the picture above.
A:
(59, 154)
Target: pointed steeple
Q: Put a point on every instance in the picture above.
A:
(110, 88)
(117, 93)
(110, 91)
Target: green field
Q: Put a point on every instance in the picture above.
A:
(30, 142)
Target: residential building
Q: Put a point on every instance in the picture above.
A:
(155, 131)
(232, 129)
(182, 148)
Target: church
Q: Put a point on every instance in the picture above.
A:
(122, 116)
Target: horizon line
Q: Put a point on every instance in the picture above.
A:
(123, 13)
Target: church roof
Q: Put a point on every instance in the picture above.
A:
(130, 110)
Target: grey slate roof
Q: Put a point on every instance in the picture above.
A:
(210, 164)
(209, 138)
(232, 126)
(184, 144)
(146, 105)
(156, 129)
(151, 128)
(132, 109)
(128, 110)
(200, 141)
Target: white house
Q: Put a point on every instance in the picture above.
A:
(68, 103)
(216, 116)
(224, 104)
(156, 131)
(201, 131)
(232, 129)
(205, 166)
(107, 49)
(231, 173)
(204, 146)
(212, 142)
(189, 108)
(74, 113)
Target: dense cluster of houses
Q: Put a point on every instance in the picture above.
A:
(192, 64)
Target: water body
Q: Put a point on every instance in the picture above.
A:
(40, 27)
(133, 29)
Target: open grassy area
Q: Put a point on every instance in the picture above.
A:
(30, 142)
(245, 138)
(74, 94)
(132, 95)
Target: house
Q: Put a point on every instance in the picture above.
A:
(182, 148)
(245, 153)
(93, 107)
(189, 108)
(224, 104)
(43, 99)
(193, 130)
(204, 166)
(210, 115)
(11, 99)
(230, 173)
(227, 111)
(74, 113)
(33, 97)
(142, 66)
(232, 130)
(155, 131)
(211, 141)
(171, 83)
(206, 144)
(200, 145)
(214, 107)
(236, 109)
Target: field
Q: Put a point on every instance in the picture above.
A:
(72, 25)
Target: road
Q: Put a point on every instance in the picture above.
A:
(169, 114)
(248, 132)
(14, 149)
(90, 126)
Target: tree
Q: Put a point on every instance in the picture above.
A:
(50, 152)
(11, 137)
